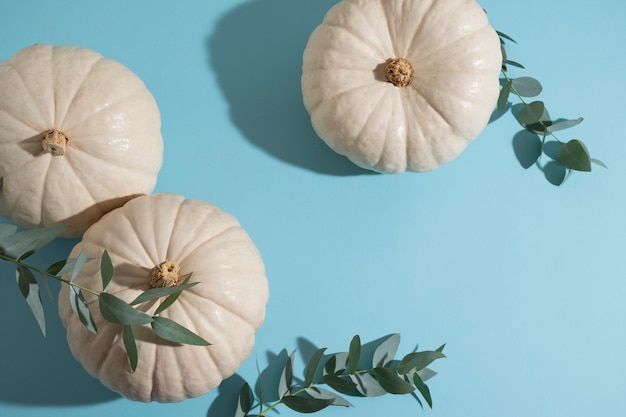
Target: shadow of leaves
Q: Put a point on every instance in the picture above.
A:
(257, 56)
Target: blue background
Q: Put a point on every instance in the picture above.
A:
(522, 279)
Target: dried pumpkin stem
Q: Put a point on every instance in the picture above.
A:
(164, 275)
(399, 72)
(54, 142)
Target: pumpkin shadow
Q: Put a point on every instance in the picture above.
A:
(256, 53)
(37, 370)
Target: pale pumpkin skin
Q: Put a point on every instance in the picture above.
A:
(225, 308)
(112, 124)
(456, 60)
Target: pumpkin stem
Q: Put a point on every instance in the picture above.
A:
(164, 275)
(54, 142)
(399, 72)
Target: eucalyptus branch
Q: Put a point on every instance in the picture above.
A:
(343, 374)
(534, 117)
(16, 246)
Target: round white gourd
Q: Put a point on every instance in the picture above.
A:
(225, 308)
(79, 136)
(399, 85)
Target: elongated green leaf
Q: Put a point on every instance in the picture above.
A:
(531, 113)
(337, 363)
(6, 230)
(386, 351)
(339, 384)
(574, 155)
(563, 124)
(174, 332)
(423, 389)
(30, 290)
(81, 309)
(28, 241)
(245, 400)
(526, 86)
(171, 299)
(311, 367)
(418, 360)
(598, 162)
(322, 394)
(286, 377)
(68, 266)
(426, 373)
(503, 98)
(155, 293)
(56, 267)
(106, 269)
(514, 64)
(367, 385)
(305, 404)
(354, 354)
(391, 382)
(131, 346)
(46, 287)
(505, 36)
(79, 264)
(116, 310)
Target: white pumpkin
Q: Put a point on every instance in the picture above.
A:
(79, 136)
(399, 85)
(225, 308)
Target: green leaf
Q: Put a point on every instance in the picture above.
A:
(131, 346)
(30, 290)
(514, 64)
(336, 363)
(354, 354)
(244, 401)
(286, 377)
(339, 384)
(174, 332)
(526, 86)
(367, 385)
(391, 382)
(79, 264)
(386, 351)
(418, 360)
(598, 162)
(423, 389)
(322, 394)
(116, 310)
(311, 367)
(81, 309)
(503, 98)
(29, 241)
(7, 230)
(56, 267)
(171, 299)
(531, 113)
(426, 373)
(563, 124)
(154, 293)
(574, 155)
(106, 269)
(306, 404)
(505, 36)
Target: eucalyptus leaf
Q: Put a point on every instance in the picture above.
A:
(174, 332)
(418, 360)
(81, 309)
(531, 113)
(311, 367)
(426, 373)
(56, 267)
(423, 389)
(339, 384)
(526, 86)
(367, 385)
(154, 293)
(503, 98)
(354, 354)
(171, 299)
(6, 230)
(320, 393)
(505, 36)
(598, 162)
(563, 124)
(337, 363)
(244, 401)
(29, 241)
(131, 346)
(78, 265)
(386, 351)
(303, 404)
(286, 377)
(30, 290)
(514, 64)
(106, 269)
(118, 311)
(67, 267)
(391, 382)
(574, 155)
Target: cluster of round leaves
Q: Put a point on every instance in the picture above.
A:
(539, 125)
(345, 374)
(16, 246)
